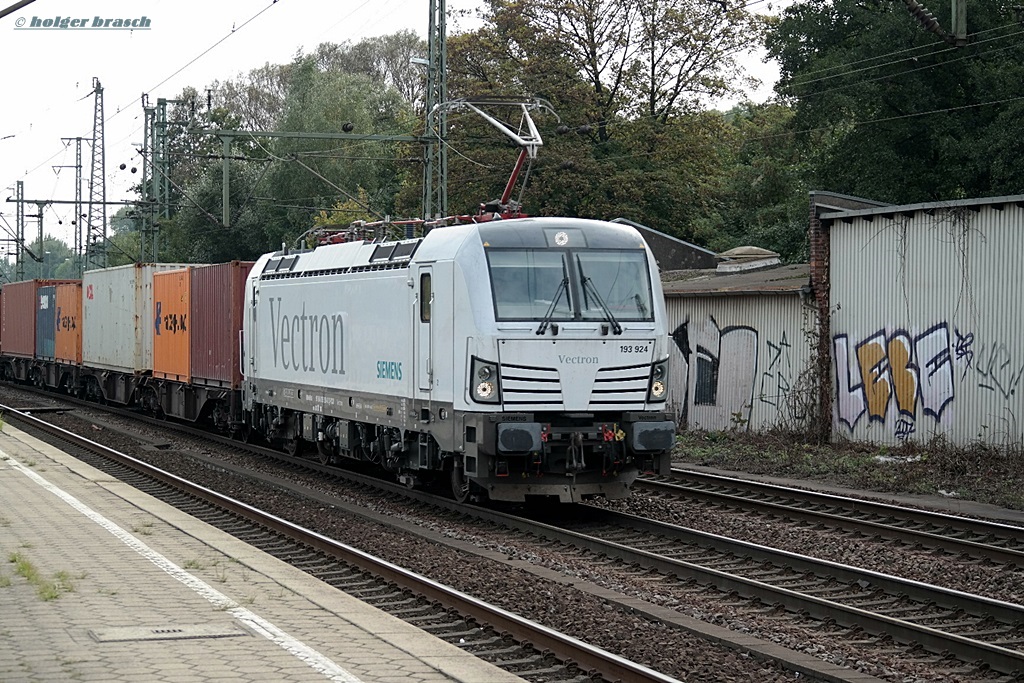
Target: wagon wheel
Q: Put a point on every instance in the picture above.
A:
(294, 446)
(323, 453)
(244, 434)
(460, 484)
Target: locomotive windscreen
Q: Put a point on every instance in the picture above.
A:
(567, 285)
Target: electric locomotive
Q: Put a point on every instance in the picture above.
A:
(509, 360)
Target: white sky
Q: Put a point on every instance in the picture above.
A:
(48, 76)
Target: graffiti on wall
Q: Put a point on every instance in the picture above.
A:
(722, 377)
(776, 381)
(899, 378)
(997, 370)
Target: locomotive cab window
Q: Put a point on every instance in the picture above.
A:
(615, 282)
(425, 297)
(528, 283)
(566, 284)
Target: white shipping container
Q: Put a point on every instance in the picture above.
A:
(117, 312)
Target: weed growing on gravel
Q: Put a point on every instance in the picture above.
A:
(978, 472)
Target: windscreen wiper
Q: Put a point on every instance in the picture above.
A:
(546, 320)
(641, 307)
(589, 286)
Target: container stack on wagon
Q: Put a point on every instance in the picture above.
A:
(68, 341)
(24, 306)
(218, 304)
(166, 336)
(117, 308)
(28, 323)
(171, 339)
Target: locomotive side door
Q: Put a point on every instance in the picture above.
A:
(424, 304)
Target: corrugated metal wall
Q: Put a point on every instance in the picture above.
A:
(737, 361)
(927, 324)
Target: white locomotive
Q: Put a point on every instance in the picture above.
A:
(517, 358)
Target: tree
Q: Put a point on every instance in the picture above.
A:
(385, 59)
(762, 197)
(687, 53)
(655, 58)
(894, 113)
(49, 259)
(309, 174)
(256, 99)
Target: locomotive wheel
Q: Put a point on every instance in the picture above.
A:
(323, 454)
(460, 484)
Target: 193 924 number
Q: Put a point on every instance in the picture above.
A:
(635, 348)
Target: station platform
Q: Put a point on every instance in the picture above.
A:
(100, 582)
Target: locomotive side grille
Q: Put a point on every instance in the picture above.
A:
(335, 271)
(615, 386)
(522, 385)
(540, 388)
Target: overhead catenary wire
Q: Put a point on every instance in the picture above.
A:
(904, 52)
(124, 107)
(886, 119)
(925, 67)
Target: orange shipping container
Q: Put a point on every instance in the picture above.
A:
(68, 338)
(171, 337)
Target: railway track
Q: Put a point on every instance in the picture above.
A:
(966, 537)
(970, 627)
(971, 638)
(513, 643)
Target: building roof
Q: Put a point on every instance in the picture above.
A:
(788, 279)
(909, 209)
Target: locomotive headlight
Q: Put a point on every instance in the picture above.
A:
(484, 381)
(485, 390)
(658, 387)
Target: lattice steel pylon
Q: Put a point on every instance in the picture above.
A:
(78, 215)
(96, 236)
(19, 268)
(435, 167)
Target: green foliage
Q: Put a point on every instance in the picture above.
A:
(50, 259)
(46, 588)
(889, 111)
(629, 138)
(344, 213)
(763, 197)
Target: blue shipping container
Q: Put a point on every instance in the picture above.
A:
(46, 322)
